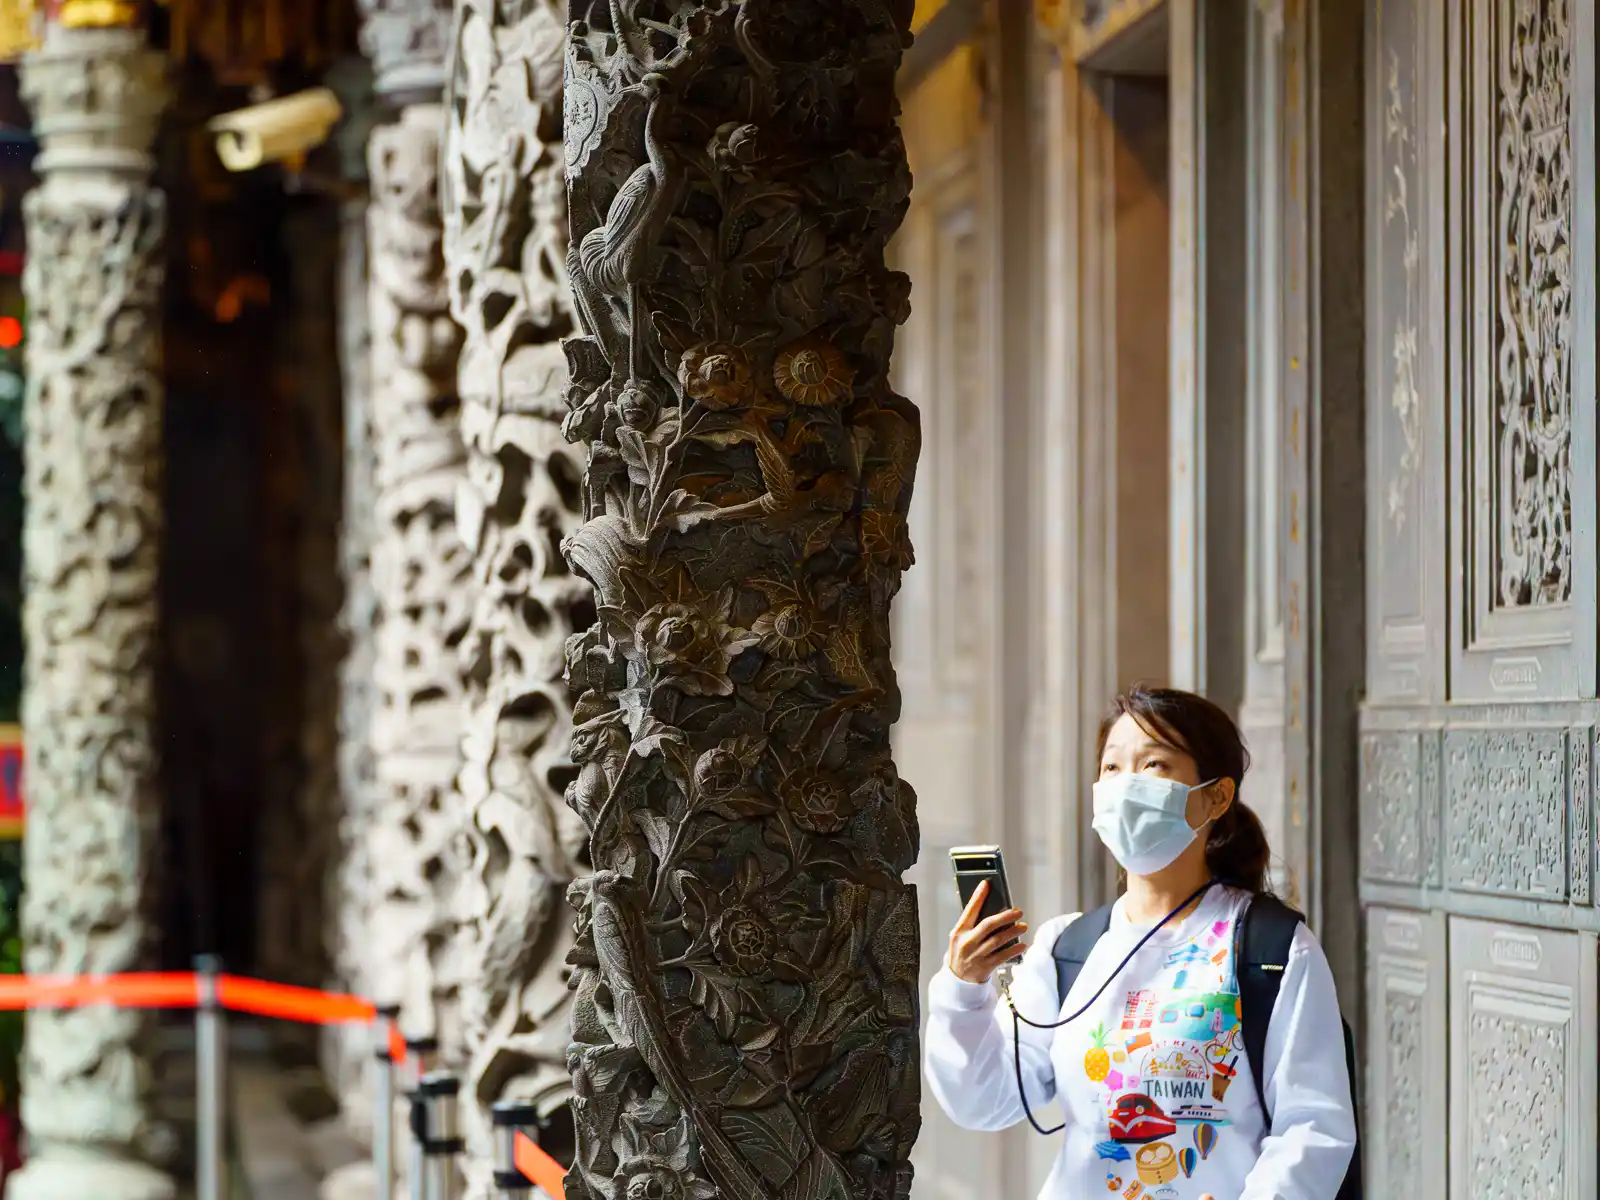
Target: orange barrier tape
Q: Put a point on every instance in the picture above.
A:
(171, 989)
(142, 990)
(538, 1166)
(290, 1003)
(397, 1045)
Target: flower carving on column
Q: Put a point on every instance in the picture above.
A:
(744, 1020)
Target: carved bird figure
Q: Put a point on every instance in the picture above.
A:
(613, 259)
(787, 505)
(620, 943)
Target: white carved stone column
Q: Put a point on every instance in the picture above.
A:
(421, 573)
(91, 549)
(505, 249)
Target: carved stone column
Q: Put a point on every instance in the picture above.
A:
(746, 1015)
(91, 548)
(421, 573)
(506, 247)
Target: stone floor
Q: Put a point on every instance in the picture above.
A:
(283, 1137)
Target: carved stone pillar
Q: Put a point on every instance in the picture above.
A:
(506, 246)
(91, 548)
(421, 573)
(746, 1014)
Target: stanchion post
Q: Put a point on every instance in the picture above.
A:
(211, 1076)
(420, 1055)
(509, 1118)
(439, 1135)
(383, 1102)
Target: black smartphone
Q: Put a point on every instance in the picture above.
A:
(978, 864)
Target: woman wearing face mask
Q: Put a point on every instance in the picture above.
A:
(1154, 1079)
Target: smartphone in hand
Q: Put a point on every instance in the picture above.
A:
(982, 864)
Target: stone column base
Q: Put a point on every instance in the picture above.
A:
(78, 1179)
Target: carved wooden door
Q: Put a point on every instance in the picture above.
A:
(1478, 735)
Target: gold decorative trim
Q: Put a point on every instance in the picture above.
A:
(98, 14)
(20, 23)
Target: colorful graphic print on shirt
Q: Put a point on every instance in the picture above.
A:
(1167, 1069)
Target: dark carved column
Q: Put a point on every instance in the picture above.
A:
(505, 250)
(746, 1014)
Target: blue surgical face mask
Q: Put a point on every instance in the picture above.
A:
(1143, 820)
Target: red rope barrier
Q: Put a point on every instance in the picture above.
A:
(148, 989)
(306, 1005)
(168, 989)
(538, 1166)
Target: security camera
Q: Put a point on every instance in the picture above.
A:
(280, 130)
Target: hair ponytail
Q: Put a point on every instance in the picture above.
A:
(1237, 851)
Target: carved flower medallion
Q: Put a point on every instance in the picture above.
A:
(813, 372)
(791, 628)
(693, 650)
(717, 376)
(817, 800)
(724, 770)
(655, 1165)
(743, 941)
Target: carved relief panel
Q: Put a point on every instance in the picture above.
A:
(1405, 365)
(1406, 1066)
(1523, 415)
(1523, 1044)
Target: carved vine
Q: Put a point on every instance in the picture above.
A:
(1533, 312)
(745, 1021)
(505, 246)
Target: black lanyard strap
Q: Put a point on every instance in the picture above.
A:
(1018, 1020)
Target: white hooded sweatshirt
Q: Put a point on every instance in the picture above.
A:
(1157, 1093)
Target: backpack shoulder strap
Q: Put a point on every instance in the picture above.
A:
(1266, 932)
(1073, 945)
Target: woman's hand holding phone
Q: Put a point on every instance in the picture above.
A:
(979, 948)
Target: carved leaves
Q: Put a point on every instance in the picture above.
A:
(745, 1016)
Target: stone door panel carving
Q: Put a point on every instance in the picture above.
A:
(1405, 348)
(1523, 274)
(1523, 1048)
(1405, 1114)
(1506, 811)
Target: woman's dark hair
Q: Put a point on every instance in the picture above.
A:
(1236, 848)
